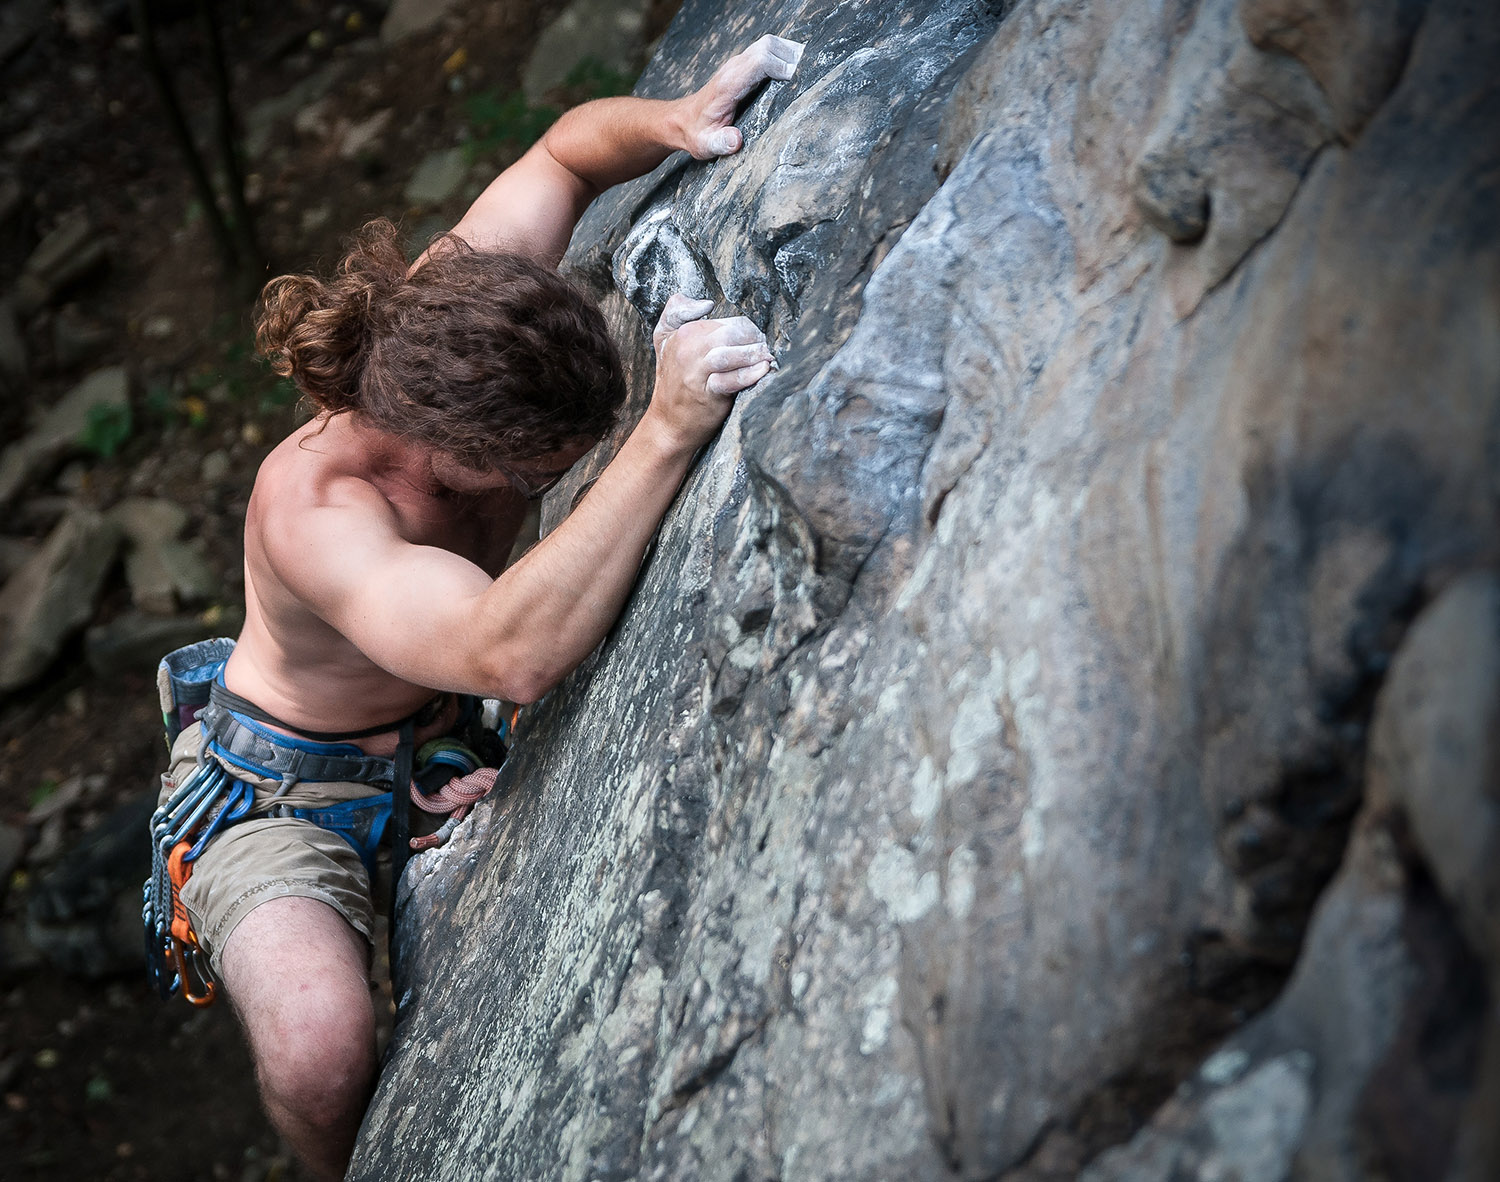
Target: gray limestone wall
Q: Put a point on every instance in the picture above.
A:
(1055, 733)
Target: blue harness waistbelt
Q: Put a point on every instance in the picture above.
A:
(248, 744)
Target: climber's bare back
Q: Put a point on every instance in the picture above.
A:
(289, 661)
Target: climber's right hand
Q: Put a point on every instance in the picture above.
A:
(700, 366)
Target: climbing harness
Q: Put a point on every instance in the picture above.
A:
(446, 776)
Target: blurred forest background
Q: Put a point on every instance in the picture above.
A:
(159, 160)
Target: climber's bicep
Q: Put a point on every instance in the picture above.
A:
(411, 609)
(531, 208)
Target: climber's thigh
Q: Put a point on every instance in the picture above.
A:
(298, 975)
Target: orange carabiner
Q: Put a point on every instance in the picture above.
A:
(181, 954)
(179, 872)
(183, 944)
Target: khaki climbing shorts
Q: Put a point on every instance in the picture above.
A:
(263, 858)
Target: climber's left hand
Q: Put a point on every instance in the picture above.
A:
(709, 113)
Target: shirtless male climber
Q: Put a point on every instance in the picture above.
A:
(449, 393)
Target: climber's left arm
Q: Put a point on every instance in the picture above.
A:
(534, 204)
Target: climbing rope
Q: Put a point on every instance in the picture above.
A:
(437, 789)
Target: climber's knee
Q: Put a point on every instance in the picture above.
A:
(320, 1068)
(297, 974)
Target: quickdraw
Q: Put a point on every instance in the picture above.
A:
(180, 830)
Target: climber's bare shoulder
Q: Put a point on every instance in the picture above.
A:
(342, 527)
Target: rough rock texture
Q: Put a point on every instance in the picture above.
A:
(1363, 1067)
(996, 710)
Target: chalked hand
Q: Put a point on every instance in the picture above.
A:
(701, 364)
(710, 121)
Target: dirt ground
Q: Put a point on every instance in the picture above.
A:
(99, 1079)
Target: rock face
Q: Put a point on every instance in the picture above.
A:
(1055, 733)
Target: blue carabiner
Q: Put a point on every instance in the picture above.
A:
(237, 805)
(175, 829)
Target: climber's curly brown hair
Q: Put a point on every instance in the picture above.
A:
(485, 355)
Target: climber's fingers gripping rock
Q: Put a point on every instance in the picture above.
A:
(679, 310)
(711, 130)
(701, 364)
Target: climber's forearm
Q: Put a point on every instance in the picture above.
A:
(612, 140)
(552, 608)
(534, 204)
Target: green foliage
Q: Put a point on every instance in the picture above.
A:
(107, 429)
(42, 791)
(283, 392)
(510, 120)
(594, 79)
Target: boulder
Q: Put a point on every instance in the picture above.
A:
(603, 34)
(261, 119)
(163, 572)
(405, 18)
(134, 642)
(84, 916)
(437, 177)
(52, 597)
(149, 521)
(77, 339)
(72, 251)
(169, 575)
(1032, 658)
(61, 429)
(364, 139)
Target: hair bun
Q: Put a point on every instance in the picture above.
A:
(317, 333)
